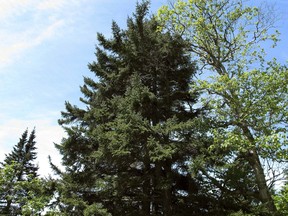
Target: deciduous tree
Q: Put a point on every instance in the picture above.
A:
(247, 93)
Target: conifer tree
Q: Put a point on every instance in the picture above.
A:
(22, 160)
(24, 153)
(127, 152)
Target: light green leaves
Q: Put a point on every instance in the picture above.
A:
(245, 92)
(32, 202)
(281, 200)
(222, 34)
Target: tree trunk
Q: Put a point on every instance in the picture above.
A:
(167, 192)
(146, 202)
(7, 209)
(156, 205)
(264, 193)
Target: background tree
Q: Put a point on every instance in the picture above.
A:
(24, 154)
(246, 93)
(281, 198)
(128, 151)
(18, 168)
(26, 197)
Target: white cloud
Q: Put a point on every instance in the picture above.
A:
(51, 4)
(12, 8)
(14, 47)
(48, 32)
(47, 133)
(29, 23)
(26, 25)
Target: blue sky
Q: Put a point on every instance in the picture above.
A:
(45, 46)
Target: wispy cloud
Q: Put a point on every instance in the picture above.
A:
(42, 46)
(51, 4)
(26, 25)
(25, 40)
(12, 8)
(29, 23)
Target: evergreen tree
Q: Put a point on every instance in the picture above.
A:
(21, 159)
(128, 151)
(24, 153)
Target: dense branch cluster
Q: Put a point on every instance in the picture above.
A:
(153, 139)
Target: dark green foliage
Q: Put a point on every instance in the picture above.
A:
(24, 153)
(140, 147)
(127, 152)
(20, 161)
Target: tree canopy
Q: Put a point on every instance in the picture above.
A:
(138, 132)
(247, 93)
(183, 114)
(21, 191)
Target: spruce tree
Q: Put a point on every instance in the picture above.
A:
(22, 160)
(24, 153)
(128, 151)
